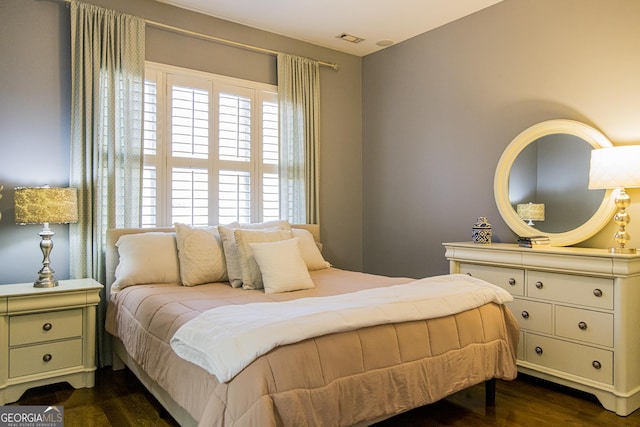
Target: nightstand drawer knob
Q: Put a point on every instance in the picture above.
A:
(539, 285)
(47, 327)
(47, 358)
(596, 364)
(582, 326)
(597, 292)
(538, 350)
(525, 314)
(512, 281)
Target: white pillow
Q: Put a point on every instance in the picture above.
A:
(251, 277)
(282, 266)
(146, 258)
(309, 250)
(231, 251)
(200, 255)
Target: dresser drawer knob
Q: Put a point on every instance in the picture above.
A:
(525, 314)
(596, 364)
(538, 350)
(582, 326)
(597, 292)
(47, 358)
(512, 281)
(47, 327)
(539, 284)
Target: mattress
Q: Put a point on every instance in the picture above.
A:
(337, 379)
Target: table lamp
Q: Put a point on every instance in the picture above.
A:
(617, 167)
(531, 212)
(45, 205)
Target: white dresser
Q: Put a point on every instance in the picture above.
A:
(578, 310)
(47, 335)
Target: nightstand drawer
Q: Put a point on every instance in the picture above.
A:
(532, 315)
(511, 279)
(587, 362)
(41, 327)
(584, 325)
(582, 290)
(35, 359)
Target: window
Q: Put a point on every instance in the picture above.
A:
(210, 149)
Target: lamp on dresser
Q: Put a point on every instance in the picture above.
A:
(530, 212)
(46, 205)
(618, 168)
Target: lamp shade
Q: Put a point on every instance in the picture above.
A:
(531, 211)
(615, 167)
(39, 205)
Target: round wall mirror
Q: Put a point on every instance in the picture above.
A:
(541, 183)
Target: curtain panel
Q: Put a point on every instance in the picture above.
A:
(299, 116)
(107, 62)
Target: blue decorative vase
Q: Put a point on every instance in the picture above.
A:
(481, 231)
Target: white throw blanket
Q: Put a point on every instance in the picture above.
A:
(226, 339)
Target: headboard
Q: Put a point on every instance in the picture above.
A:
(113, 234)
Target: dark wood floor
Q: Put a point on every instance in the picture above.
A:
(119, 400)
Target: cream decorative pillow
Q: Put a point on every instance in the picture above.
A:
(251, 277)
(200, 255)
(282, 266)
(231, 251)
(146, 258)
(309, 250)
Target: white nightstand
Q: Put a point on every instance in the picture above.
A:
(47, 335)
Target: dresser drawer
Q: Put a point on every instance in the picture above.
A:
(532, 315)
(39, 358)
(584, 325)
(582, 290)
(41, 327)
(581, 360)
(511, 279)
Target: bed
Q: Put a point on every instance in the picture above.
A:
(352, 377)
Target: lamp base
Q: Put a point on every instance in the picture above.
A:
(622, 250)
(45, 275)
(45, 282)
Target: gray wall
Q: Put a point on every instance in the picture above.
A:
(437, 112)
(35, 104)
(439, 109)
(35, 88)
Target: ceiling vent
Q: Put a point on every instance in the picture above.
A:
(349, 38)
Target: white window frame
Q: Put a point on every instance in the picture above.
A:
(259, 93)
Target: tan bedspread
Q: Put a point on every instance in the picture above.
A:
(337, 379)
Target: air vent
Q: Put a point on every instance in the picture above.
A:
(350, 38)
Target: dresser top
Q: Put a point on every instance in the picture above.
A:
(557, 250)
(567, 259)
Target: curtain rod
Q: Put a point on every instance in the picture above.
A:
(223, 41)
(228, 42)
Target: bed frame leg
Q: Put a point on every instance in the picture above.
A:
(116, 363)
(490, 392)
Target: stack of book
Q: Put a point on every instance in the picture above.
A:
(533, 241)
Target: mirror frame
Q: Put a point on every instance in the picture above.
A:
(501, 182)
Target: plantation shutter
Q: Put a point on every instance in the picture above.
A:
(211, 150)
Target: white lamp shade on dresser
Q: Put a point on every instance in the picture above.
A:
(615, 167)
